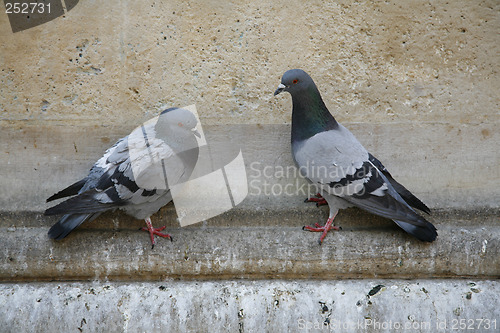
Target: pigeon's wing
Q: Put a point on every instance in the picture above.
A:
(69, 191)
(341, 166)
(121, 177)
(407, 196)
(95, 173)
(378, 196)
(334, 159)
(68, 223)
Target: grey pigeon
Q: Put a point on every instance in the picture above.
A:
(330, 156)
(134, 175)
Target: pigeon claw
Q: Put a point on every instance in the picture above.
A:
(318, 199)
(155, 231)
(323, 229)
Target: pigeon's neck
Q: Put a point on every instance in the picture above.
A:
(310, 115)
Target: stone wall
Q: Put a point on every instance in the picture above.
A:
(374, 61)
(416, 81)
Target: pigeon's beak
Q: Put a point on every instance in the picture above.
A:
(281, 87)
(195, 132)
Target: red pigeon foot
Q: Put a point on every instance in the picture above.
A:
(155, 231)
(324, 229)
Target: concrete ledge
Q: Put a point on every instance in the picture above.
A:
(254, 244)
(446, 165)
(252, 306)
(262, 237)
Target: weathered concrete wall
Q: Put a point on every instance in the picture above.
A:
(262, 306)
(416, 81)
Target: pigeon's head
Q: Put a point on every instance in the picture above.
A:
(178, 121)
(294, 81)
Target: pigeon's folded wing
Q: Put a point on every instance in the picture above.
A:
(117, 185)
(341, 166)
(407, 196)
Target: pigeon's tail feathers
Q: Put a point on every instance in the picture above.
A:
(68, 191)
(84, 203)
(400, 212)
(388, 207)
(425, 233)
(407, 196)
(68, 223)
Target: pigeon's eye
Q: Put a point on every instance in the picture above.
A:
(180, 124)
(295, 81)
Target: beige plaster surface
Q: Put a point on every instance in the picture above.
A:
(374, 61)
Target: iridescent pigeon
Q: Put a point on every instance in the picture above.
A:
(330, 156)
